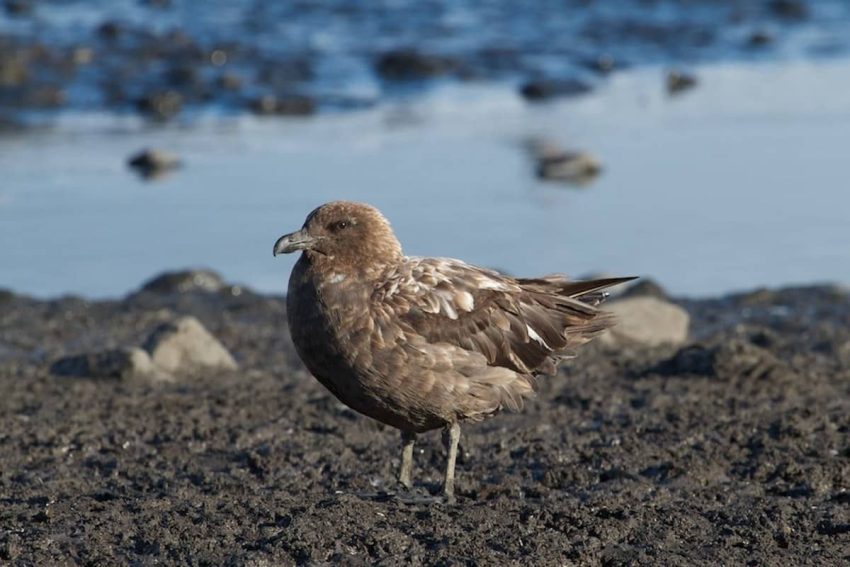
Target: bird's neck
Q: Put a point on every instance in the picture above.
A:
(328, 270)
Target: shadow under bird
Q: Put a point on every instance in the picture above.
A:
(425, 343)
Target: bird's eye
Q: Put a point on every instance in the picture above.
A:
(339, 225)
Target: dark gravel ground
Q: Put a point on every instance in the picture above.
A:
(732, 450)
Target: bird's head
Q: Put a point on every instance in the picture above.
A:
(344, 235)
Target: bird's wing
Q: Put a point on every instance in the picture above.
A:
(523, 325)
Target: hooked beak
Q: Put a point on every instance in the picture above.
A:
(293, 242)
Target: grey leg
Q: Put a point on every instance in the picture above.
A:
(407, 440)
(451, 437)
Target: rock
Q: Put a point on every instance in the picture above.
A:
(732, 359)
(158, 4)
(122, 363)
(162, 105)
(185, 282)
(151, 163)
(760, 38)
(645, 287)
(183, 76)
(545, 89)
(603, 64)
(789, 9)
(679, 81)
(19, 7)
(13, 70)
(647, 321)
(6, 296)
(228, 82)
(574, 167)
(409, 64)
(9, 124)
(82, 55)
(555, 164)
(44, 96)
(110, 30)
(185, 345)
(293, 105)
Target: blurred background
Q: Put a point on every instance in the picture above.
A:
(697, 142)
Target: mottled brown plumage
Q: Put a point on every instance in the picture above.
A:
(425, 343)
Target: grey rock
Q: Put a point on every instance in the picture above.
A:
(122, 363)
(19, 7)
(728, 360)
(229, 82)
(13, 70)
(575, 167)
(603, 64)
(648, 321)
(679, 81)
(150, 163)
(185, 281)
(545, 89)
(789, 9)
(161, 105)
(760, 38)
(645, 287)
(185, 345)
(556, 164)
(293, 105)
(409, 64)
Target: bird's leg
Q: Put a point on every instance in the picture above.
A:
(407, 440)
(451, 436)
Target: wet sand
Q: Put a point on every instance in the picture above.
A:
(734, 449)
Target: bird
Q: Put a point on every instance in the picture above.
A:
(421, 343)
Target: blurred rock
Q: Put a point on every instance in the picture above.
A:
(556, 164)
(152, 163)
(120, 363)
(13, 69)
(110, 30)
(409, 64)
(185, 346)
(185, 281)
(789, 9)
(10, 125)
(228, 82)
(183, 76)
(728, 360)
(645, 287)
(280, 75)
(161, 105)
(19, 7)
(760, 38)
(648, 321)
(44, 96)
(573, 167)
(544, 89)
(159, 4)
(679, 81)
(284, 106)
(602, 64)
(82, 55)
(6, 296)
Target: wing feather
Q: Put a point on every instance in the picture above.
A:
(526, 325)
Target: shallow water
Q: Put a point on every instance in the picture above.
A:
(328, 50)
(738, 183)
